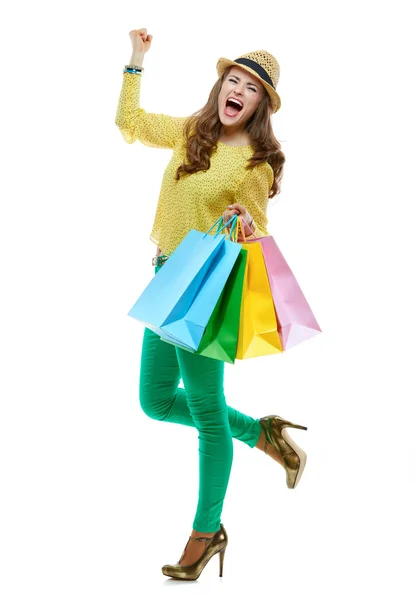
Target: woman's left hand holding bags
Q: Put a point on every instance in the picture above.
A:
(236, 208)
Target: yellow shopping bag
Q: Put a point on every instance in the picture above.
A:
(258, 327)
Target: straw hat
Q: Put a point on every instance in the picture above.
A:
(261, 64)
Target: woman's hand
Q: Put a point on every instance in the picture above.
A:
(140, 40)
(238, 209)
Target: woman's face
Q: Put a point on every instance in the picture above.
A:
(246, 88)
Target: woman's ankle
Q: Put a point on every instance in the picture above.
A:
(196, 533)
(270, 450)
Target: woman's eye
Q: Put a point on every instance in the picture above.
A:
(251, 88)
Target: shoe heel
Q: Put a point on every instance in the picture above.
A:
(221, 557)
(296, 426)
(285, 423)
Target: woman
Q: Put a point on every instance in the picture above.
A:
(225, 161)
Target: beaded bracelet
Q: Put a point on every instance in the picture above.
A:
(133, 69)
(130, 66)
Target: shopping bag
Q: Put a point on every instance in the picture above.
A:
(296, 321)
(258, 326)
(220, 338)
(178, 302)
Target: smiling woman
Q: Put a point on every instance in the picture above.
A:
(239, 97)
(238, 113)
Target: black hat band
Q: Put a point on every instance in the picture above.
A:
(257, 68)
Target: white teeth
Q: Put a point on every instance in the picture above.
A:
(235, 100)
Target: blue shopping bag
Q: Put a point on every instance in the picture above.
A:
(179, 300)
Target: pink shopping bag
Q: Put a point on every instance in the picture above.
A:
(296, 321)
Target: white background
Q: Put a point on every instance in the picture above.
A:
(96, 496)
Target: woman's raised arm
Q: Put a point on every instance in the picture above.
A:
(155, 130)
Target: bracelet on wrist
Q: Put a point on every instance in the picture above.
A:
(133, 69)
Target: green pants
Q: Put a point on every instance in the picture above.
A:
(201, 404)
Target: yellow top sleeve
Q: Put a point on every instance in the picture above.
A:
(152, 129)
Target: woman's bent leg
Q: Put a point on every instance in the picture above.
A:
(162, 399)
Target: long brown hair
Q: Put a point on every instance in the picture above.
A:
(202, 130)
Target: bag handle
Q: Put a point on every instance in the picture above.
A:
(234, 221)
(249, 227)
(214, 225)
(240, 227)
(222, 226)
(236, 225)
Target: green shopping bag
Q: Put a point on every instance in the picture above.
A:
(220, 339)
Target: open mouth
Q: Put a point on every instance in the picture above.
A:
(232, 107)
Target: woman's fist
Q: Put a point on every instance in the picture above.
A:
(140, 40)
(238, 209)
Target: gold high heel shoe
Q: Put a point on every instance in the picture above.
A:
(294, 458)
(216, 543)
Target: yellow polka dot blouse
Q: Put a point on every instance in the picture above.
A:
(198, 200)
